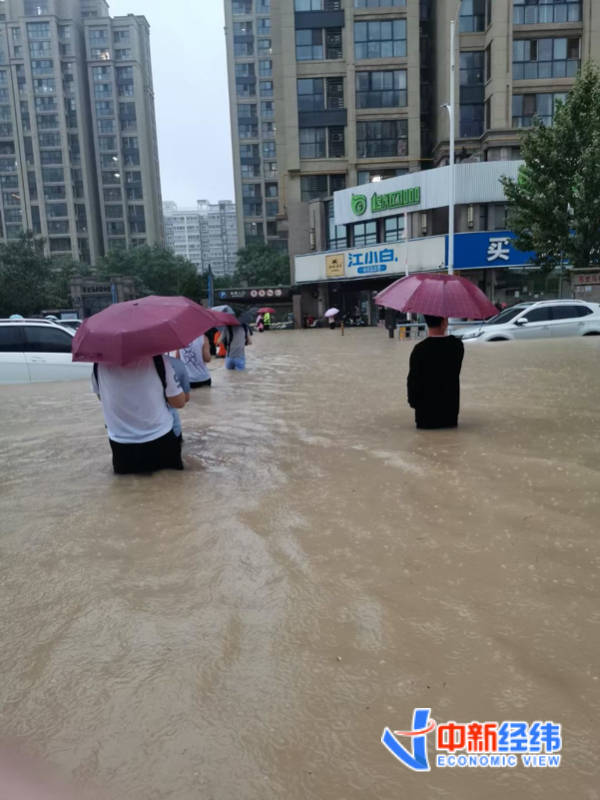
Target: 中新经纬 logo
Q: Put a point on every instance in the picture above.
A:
(476, 744)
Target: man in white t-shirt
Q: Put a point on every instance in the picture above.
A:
(195, 357)
(140, 426)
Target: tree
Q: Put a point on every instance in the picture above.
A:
(261, 265)
(157, 269)
(25, 274)
(554, 205)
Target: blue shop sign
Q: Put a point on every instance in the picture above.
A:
(489, 249)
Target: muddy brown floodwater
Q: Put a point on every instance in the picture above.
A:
(247, 628)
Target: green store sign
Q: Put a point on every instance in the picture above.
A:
(385, 202)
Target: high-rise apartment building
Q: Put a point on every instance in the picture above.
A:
(206, 235)
(78, 145)
(358, 89)
(251, 93)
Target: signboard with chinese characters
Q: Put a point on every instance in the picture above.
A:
(251, 294)
(487, 250)
(334, 265)
(587, 279)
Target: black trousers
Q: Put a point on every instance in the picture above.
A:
(162, 453)
(198, 384)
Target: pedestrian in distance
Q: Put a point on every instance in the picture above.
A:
(195, 357)
(260, 323)
(135, 400)
(267, 320)
(434, 378)
(390, 321)
(235, 339)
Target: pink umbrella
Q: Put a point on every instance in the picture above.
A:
(223, 318)
(440, 295)
(126, 332)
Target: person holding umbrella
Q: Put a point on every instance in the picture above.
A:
(433, 381)
(134, 381)
(330, 317)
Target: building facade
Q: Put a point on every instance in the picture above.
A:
(359, 88)
(78, 144)
(248, 27)
(206, 235)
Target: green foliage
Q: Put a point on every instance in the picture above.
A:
(25, 276)
(261, 265)
(157, 270)
(554, 206)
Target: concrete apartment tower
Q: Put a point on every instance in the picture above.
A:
(357, 89)
(79, 155)
(206, 235)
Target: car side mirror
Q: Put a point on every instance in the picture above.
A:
(521, 321)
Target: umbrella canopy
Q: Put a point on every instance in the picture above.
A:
(126, 332)
(440, 295)
(266, 310)
(226, 309)
(331, 312)
(223, 318)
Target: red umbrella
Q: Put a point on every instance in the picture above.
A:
(440, 295)
(126, 332)
(266, 310)
(223, 318)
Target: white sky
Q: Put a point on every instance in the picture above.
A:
(192, 107)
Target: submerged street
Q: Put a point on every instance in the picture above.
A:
(247, 628)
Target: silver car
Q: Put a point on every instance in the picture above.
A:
(536, 320)
(33, 350)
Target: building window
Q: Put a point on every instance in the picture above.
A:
(271, 190)
(315, 187)
(364, 233)
(336, 234)
(263, 26)
(379, 3)
(272, 208)
(268, 130)
(472, 16)
(242, 7)
(248, 130)
(123, 54)
(318, 44)
(264, 46)
(42, 67)
(36, 8)
(380, 39)
(546, 58)
(472, 106)
(536, 12)
(527, 107)
(386, 89)
(121, 35)
(313, 142)
(266, 88)
(38, 30)
(317, 5)
(263, 6)
(269, 150)
(318, 94)
(265, 68)
(393, 229)
(382, 138)
(266, 109)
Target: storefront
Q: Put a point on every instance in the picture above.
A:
(349, 278)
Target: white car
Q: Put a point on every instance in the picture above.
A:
(536, 320)
(33, 350)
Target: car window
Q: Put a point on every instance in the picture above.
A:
(42, 339)
(570, 312)
(11, 339)
(506, 315)
(539, 314)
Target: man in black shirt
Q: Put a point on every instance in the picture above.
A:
(433, 380)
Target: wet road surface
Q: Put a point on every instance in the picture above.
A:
(247, 628)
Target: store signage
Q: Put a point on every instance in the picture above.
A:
(489, 249)
(250, 294)
(385, 202)
(587, 279)
(334, 266)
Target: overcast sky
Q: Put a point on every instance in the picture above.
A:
(192, 105)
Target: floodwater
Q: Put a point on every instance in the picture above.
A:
(247, 628)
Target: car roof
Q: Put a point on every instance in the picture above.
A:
(32, 321)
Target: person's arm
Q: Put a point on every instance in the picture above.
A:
(206, 351)
(173, 392)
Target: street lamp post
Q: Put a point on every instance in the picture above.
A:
(451, 114)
